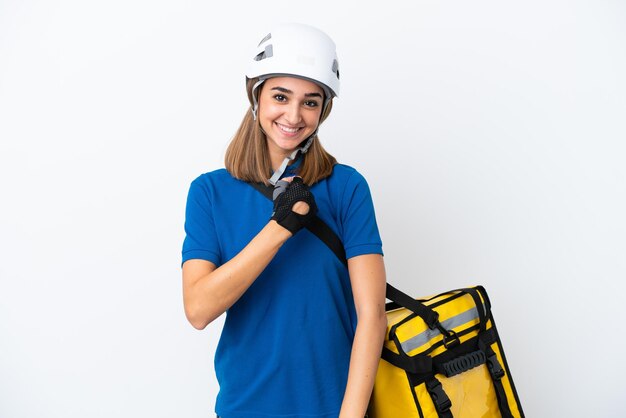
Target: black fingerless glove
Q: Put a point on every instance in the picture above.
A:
(285, 196)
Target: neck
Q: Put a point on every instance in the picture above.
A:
(277, 158)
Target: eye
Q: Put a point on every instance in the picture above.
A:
(311, 103)
(280, 98)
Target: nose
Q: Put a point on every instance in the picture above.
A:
(292, 114)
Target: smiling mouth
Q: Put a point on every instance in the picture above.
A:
(287, 129)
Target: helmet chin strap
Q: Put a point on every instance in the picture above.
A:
(283, 166)
(255, 105)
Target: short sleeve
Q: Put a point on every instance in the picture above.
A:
(200, 236)
(360, 230)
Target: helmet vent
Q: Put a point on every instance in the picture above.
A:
(267, 38)
(335, 68)
(268, 53)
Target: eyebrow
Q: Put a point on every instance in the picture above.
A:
(284, 90)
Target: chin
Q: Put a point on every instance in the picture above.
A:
(288, 144)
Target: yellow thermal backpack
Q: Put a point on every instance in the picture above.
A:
(442, 357)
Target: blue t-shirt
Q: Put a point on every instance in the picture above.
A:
(285, 346)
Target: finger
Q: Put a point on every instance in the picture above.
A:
(301, 208)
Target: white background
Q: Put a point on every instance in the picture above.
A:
(491, 133)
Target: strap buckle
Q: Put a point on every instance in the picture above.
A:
(440, 399)
(450, 338)
(496, 370)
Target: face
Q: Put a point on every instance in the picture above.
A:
(289, 111)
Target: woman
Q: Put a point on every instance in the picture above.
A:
(303, 334)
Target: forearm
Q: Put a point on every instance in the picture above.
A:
(212, 294)
(366, 349)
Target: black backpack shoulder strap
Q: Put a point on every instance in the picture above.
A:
(266, 190)
(321, 230)
(317, 226)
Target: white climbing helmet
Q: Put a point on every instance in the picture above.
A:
(299, 50)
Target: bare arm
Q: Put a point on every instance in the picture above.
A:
(209, 291)
(368, 279)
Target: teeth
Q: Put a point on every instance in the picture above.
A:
(286, 129)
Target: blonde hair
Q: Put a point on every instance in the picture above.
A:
(247, 157)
